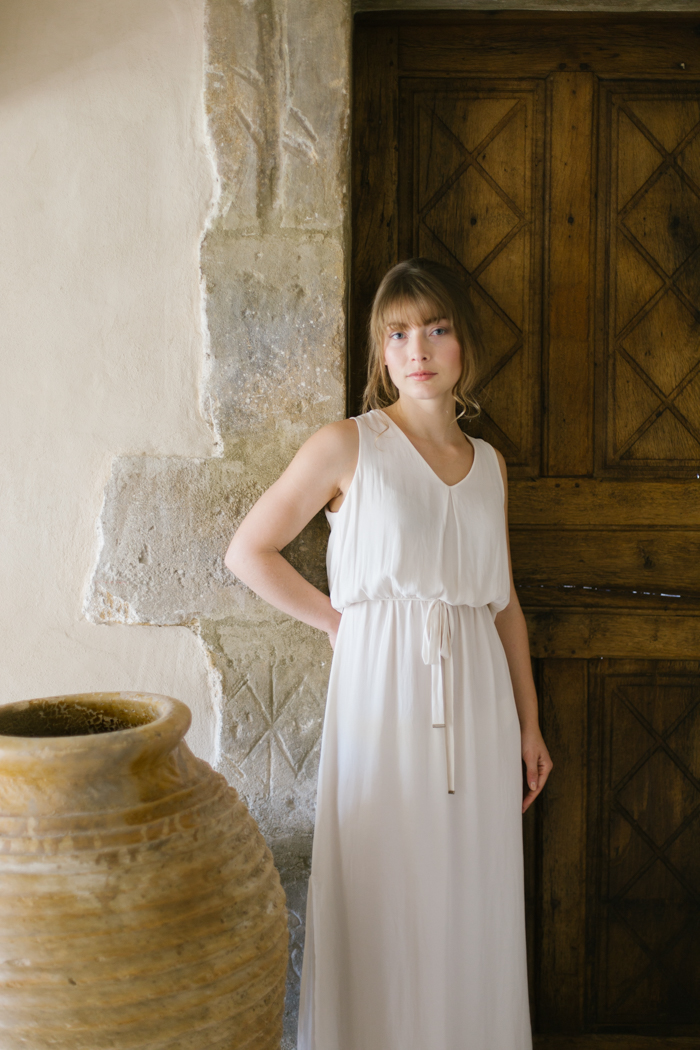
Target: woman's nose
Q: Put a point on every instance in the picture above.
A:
(419, 347)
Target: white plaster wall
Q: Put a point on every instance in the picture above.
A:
(105, 187)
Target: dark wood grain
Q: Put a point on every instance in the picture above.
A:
(564, 707)
(610, 46)
(569, 345)
(614, 1042)
(589, 501)
(584, 634)
(649, 283)
(644, 878)
(642, 559)
(606, 598)
(374, 187)
(532, 852)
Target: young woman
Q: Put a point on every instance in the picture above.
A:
(415, 936)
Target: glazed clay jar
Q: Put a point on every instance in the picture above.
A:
(139, 904)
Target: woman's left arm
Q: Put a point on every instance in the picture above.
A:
(511, 626)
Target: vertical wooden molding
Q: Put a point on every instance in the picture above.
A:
(564, 687)
(569, 351)
(602, 277)
(374, 185)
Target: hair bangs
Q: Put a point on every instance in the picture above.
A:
(411, 309)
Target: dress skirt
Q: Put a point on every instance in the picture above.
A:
(415, 934)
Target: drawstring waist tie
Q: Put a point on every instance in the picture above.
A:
(437, 652)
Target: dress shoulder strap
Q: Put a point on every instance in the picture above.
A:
(374, 430)
(373, 422)
(492, 465)
(377, 442)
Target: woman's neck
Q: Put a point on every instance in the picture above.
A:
(433, 420)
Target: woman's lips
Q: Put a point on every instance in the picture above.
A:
(422, 375)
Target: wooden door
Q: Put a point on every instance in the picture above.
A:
(555, 162)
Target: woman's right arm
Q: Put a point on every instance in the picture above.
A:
(321, 471)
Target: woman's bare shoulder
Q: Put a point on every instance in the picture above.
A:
(342, 430)
(336, 442)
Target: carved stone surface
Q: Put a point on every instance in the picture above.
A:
(278, 102)
(274, 675)
(166, 525)
(277, 328)
(139, 904)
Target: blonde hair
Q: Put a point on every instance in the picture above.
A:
(416, 292)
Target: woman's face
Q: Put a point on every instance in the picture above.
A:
(424, 361)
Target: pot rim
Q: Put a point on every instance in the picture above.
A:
(167, 729)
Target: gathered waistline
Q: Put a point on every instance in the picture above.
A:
(436, 652)
(427, 601)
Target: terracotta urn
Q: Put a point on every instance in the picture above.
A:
(139, 905)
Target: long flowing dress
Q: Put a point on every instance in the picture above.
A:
(415, 935)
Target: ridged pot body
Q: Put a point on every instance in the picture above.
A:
(140, 908)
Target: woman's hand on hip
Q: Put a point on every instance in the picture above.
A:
(333, 632)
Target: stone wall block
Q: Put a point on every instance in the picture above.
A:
(295, 883)
(274, 676)
(166, 525)
(235, 97)
(278, 85)
(316, 135)
(276, 312)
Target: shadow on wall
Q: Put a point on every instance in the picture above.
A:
(56, 40)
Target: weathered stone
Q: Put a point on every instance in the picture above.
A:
(278, 107)
(274, 674)
(277, 324)
(235, 100)
(166, 524)
(293, 860)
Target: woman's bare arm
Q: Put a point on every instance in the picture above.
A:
(512, 629)
(321, 471)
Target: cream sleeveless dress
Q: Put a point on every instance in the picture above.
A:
(415, 935)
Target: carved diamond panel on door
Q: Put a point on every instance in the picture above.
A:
(476, 205)
(651, 168)
(645, 906)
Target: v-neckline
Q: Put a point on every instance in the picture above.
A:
(424, 460)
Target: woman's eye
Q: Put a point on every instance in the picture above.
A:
(439, 331)
(397, 335)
